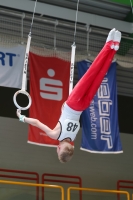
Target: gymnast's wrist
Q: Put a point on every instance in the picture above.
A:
(22, 118)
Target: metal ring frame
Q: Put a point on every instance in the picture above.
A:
(15, 101)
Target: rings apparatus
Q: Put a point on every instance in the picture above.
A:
(25, 93)
(24, 78)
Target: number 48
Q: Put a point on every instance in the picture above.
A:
(71, 127)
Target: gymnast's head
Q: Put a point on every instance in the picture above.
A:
(65, 151)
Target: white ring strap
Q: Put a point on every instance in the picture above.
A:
(15, 101)
(72, 68)
(24, 78)
(73, 55)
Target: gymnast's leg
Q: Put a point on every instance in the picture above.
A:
(100, 76)
(84, 91)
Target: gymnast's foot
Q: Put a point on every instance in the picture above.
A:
(117, 39)
(110, 38)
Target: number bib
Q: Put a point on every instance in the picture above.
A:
(70, 128)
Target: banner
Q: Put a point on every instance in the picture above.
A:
(49, 87)
(100, 129)
(11, 66)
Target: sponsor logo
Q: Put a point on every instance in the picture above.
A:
(25, 63)
(105, 103)
(51, 88)
(44, 134)
(71, 72)
(7, 58)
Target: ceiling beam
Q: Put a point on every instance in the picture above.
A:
(68, 14)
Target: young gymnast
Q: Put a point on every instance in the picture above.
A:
(80, 98)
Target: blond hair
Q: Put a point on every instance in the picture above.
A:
(67, 154)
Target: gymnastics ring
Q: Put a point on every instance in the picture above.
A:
(15, 102)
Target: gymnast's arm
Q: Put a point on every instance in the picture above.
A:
(35, 122)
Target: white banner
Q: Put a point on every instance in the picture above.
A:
(11, 66)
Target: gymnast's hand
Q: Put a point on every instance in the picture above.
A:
(21, 117)
(18, 113)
